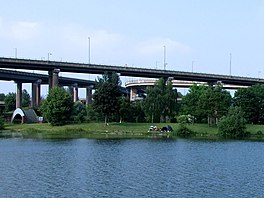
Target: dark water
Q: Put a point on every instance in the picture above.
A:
(130, 168)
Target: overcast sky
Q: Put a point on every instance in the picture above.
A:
(134, 32)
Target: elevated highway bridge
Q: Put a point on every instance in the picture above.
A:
(124, 71)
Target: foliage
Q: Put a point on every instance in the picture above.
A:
(57, 108)
(215, 103)
(2, 125)
(234, 124)
(190, 102)
(92, 115)
(207, 102)
(161, 101)
(79, 112)
(183, 130)
(10, 102)
(251, 100)
(2, 97)
(106, 96)
(125, 107)
(136, 112)
(25, 98)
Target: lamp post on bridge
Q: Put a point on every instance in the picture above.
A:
(89, 48)
(164, 56)
(49, 54)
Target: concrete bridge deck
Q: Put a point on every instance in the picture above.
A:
(125, 71)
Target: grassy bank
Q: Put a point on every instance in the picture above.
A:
(115, 130)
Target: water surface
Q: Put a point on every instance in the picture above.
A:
(130, 168)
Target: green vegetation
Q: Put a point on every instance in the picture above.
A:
(161, 102)
(57, 108)
(10, 102)
(234, 124)
(206, 111)
(183, 130)
(121, 130)
(2, 126)
(106, 96)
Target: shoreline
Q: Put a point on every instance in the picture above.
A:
(118, 131)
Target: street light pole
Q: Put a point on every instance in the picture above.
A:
(230, 64)
(192, 65)
(49, 54)
(89, 47)
(164, 56)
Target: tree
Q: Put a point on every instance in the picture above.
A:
(79, 112)
(25, 98)
(57, 107)
(234, 124)
(251, 100)
(214, 102)
(190, 102)
(2, 96)
(125, 108)
(106, 96)
(161, 101)
(10, 102)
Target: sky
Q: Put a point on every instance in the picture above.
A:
(198, 35)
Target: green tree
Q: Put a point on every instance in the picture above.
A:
(125, 108)
(161, 101)
(190, 102)
(234, 124)
(137, 112)
(10, 102)
(79, 112)
(214, 102)
(2, 97)
(106, 95)
(57, 107)
(25, 98)
(251, 100)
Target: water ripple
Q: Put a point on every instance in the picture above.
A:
(130, 168)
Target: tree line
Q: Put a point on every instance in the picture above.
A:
(162, 103)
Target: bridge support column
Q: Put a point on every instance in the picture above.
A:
(53, 78)
(133, 93)
(38, 96)
(19, 95)
(88, 95)
(75, 93)
(35, 101)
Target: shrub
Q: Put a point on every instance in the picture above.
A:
(234, 124)
(183, 130)
(79, 112)
(57, 108)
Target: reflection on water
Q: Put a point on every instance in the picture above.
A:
(130, 168)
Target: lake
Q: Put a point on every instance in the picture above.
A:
(130, 168)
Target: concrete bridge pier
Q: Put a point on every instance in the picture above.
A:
(133, 93)
(88, 95)
(75, 92)
(53, 78)
(19, 95)
(35, 100)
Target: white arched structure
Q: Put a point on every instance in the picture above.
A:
(18, 112)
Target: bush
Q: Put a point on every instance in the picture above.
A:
(57, 108)
(183, 130)
(79, 112)
(234, 124)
